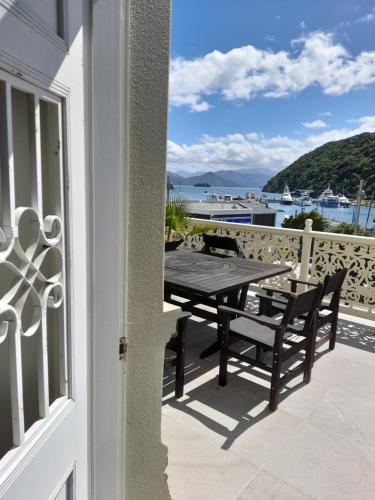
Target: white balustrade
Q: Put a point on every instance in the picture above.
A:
(310, 254)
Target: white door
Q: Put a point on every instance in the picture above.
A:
(43, 254)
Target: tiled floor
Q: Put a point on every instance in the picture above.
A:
(225, 444)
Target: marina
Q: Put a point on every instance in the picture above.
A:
(273, 200)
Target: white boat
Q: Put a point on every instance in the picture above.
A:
(305, 201)
(287, 197)
(328, 199)
(343, 201)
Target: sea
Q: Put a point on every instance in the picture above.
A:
(367, 217)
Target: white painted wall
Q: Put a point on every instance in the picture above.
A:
(148, 326)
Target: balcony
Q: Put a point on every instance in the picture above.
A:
(224, 443)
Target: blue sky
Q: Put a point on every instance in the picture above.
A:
(255, 84)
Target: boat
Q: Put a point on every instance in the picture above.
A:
(304, 201)
(287, 197)
(344, 201)
(328, 199)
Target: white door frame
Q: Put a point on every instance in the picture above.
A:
(107, 187)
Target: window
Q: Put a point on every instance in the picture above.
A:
(33, 315)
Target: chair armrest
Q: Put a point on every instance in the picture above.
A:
(271, 298)
(310, 283)
(181, 323)
(184, 315)
(276, 290)
(262, 320)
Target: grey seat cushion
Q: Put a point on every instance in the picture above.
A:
(252, 330)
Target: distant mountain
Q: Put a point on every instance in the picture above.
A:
(222, 178)
(245, 177)
(188, 173)
(211, 178)
(339, 163)
(175, 178)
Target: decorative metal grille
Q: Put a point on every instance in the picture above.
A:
(358, 257)
(311, 255)
(33, 373)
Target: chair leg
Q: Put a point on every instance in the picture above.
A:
(332, 341)
(180, 359)
(275, 380)
(223, 341)
(180, 374)
(259, 354)
(310, 354)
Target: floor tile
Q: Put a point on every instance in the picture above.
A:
(324, 466)
(266, 486)
(198, 470)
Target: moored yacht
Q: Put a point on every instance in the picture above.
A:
(344, 201)
(328, 199)
(287, 197)
(305, 200)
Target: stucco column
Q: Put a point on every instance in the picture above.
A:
(148, 325)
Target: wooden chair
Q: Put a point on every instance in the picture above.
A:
(212, 242)
(271, 334)
(328, 312)
(177, 345)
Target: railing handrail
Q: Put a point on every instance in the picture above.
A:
(247, 227)
(350, 238)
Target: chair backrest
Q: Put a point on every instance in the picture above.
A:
(333, 284)
(172, 245)
(214, 242)
(306, 303)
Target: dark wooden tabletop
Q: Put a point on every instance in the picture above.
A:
(210, 275)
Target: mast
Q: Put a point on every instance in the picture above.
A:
(358, 207)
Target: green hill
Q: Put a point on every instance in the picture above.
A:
(340, 164)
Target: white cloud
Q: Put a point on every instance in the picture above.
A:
(315, 124)
(368, 18)
(326, 113)
(302, 25)
(254, 150)
(247, 72)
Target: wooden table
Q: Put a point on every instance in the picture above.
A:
(210, 280)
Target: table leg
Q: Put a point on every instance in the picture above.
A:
(215, 347)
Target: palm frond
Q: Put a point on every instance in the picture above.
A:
(177, 214)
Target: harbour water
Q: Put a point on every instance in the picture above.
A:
(337, 214)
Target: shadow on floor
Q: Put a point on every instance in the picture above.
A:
(244, 401)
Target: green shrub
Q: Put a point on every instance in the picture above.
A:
(298, 221)
(345, 228)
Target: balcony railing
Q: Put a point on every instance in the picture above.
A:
(311, 255)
